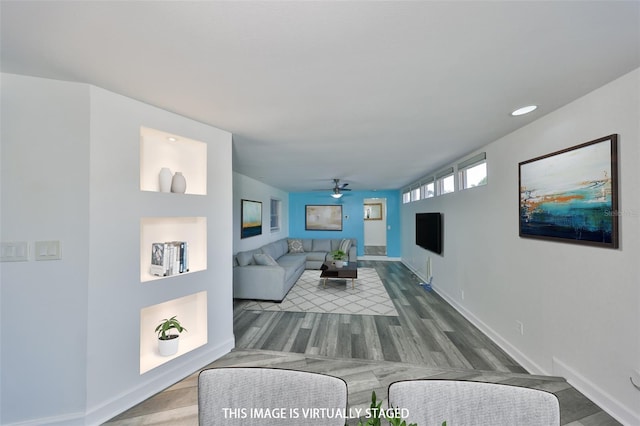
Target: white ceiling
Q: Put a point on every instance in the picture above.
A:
(375, 93)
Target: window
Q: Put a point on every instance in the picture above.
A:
(445, 182)
(428, 189)
(415, 194)
(406, 197)
(276, 207)
(473, 172)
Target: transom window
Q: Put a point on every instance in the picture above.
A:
(445, 182)
(473, 172)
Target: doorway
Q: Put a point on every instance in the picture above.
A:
(375, 226)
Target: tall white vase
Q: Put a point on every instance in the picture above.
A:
(164, 178)
(178, 183)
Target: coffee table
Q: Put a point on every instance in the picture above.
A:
(329, 270)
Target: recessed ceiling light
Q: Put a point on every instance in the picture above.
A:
(524, 110)
(172, 139)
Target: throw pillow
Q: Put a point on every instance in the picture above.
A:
(264, 259)
(321, 244)
(345, 245)
(295, 246)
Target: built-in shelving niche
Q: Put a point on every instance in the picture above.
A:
(190, 310)
(192, 230)
(160, 149)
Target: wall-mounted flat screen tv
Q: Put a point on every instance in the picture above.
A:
(429, 231)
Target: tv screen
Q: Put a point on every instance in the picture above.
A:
(429, 231)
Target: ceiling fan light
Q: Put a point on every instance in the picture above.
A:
(336, 195)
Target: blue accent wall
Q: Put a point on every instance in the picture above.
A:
(352, 216)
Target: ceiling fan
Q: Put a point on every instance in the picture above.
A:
(338, 189)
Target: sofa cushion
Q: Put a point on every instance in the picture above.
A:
(321, 245)
(264, 259)
(292, 260)
(275, 249)
(307, 244)
(317, 255)
(295, 246)
(245, 258)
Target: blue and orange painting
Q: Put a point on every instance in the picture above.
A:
(570, 195)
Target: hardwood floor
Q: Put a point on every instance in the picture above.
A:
(429, 339)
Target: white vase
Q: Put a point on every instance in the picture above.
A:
(339, 263)
(178, 183)
(164, 178)
(168, 347)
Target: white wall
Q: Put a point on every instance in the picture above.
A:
(45, 196)
(247, 188)
(71, 328)
(580, 305)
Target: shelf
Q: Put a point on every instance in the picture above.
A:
(190, 310)
(160, 149)
(193, 230)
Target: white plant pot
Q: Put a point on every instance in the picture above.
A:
(168, 347)
(339, 263)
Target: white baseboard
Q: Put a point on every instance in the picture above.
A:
(71, 419)
(175, 373)
(591, 391)
(504, 344)
(109, 409)
(379, 258)
(621, 413)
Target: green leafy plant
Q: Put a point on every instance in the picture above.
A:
(169, 324)
(338, 255)
(377, 415)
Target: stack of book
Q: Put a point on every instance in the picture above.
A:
(169, 258)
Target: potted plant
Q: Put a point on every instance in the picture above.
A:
(338, 258)
(168, 343)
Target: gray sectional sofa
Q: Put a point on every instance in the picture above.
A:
(269, 272)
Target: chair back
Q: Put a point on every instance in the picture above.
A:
(269, 396)
(432, 402)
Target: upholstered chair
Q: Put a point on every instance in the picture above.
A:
(432, 402)
(268, 396)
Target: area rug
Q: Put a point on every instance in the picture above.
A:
(369, 297)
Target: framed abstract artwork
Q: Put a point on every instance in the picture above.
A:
(323, 218)
(251, 212)
(572, 195)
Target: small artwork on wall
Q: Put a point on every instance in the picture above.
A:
(572, 195)
(323, 218)
(251, 212)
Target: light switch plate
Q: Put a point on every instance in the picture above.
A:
(47, 250)
(17, 251)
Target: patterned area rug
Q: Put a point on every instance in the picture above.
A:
(369, 296)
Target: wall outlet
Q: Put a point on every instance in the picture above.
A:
(520, 327)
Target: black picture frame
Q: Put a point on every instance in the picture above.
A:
(251, 218)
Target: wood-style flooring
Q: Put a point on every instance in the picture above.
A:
(429, 339)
